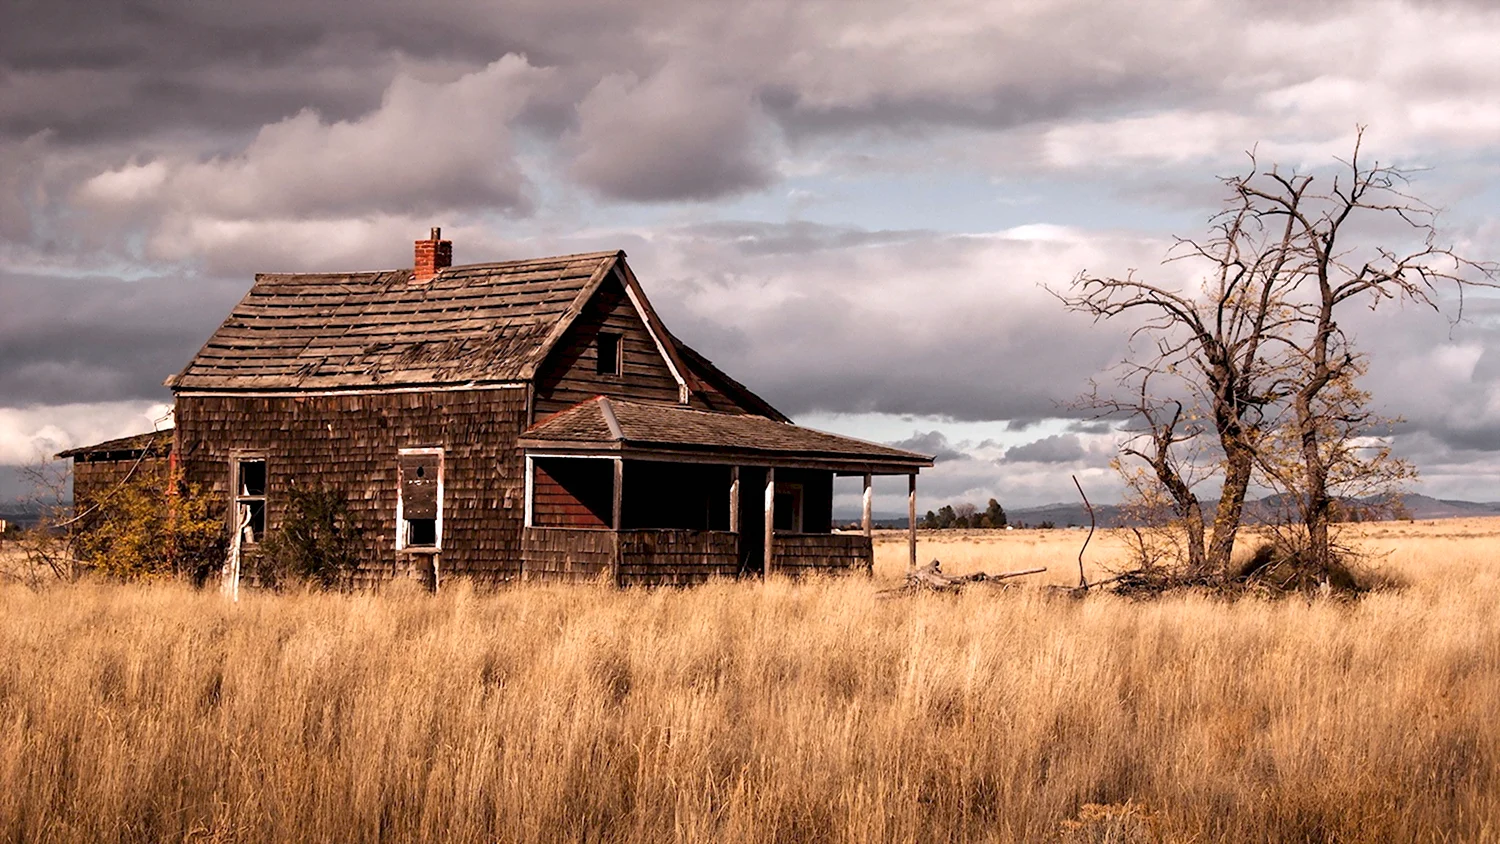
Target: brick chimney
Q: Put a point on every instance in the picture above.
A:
(432, 255)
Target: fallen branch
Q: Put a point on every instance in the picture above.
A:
(931, 578)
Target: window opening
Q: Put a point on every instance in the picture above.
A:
(250, 498)
(420, 502)
(788, 508)
(608, 357)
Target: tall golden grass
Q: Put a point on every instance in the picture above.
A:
(775, 712)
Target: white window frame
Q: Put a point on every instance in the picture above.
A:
(402, 528)
(237, 499)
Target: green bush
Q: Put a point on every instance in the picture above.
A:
(315, 543)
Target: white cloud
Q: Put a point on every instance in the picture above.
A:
(32, 434)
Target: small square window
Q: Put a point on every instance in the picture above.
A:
(608, 357)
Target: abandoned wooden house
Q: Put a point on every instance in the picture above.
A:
(518, 419)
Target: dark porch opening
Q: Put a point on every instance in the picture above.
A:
(675, 495)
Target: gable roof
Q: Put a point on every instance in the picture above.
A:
(475, 323)
(610, 424)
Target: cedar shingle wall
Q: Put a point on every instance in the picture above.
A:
(95, 480)
(833, 553)
(350, 442)
(562, 554)
(676, 557)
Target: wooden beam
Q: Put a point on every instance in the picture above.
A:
(868, 526)
(770, 519)
(734, 499)
(911, 521)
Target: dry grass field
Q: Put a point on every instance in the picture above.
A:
(775, 712)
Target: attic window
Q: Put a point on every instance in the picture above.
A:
(419, 505)
(608, 354)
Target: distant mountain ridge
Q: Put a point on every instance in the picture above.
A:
(1111, 515)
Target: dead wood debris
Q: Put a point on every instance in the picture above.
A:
(930, 578)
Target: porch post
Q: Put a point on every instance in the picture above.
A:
(734, 499)
(866, 522)
(614, 519)
(911, 520)
(770, 518)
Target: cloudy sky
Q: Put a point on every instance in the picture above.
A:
(852, 206)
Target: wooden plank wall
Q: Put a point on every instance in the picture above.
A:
(567, 555)
(350, 442)
(832, 553)
(570, 374)
(676, 557)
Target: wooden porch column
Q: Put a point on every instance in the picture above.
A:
(866, 514)
(614, 520)
(770, 518)
(911, 521)
(734, 499)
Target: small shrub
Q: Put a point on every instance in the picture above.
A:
(316, 542)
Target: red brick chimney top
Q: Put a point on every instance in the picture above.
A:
(432, 255)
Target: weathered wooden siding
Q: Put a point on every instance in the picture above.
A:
(349, 443)
(569, 555)
(636, 557)
(676, 557)
(95, 480)
(569, 375)
(832, 553)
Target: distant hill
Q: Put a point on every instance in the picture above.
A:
(1109, 515)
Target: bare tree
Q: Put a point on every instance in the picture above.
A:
(1323, 451)
(1210, 340)
(1254, 346)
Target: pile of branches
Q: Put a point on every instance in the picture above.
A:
(930, 578)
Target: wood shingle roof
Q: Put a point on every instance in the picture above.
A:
(604, 423)
(474, 323)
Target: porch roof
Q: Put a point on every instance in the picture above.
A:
(615, 425)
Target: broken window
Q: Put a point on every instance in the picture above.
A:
(608, 356)
(250, 498)
(788, 508)
(419, 506)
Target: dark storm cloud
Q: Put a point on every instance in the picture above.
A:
(1058, 448)
(671, 136)
(66, 340)
(933, 444)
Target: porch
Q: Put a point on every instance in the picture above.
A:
(647, 494)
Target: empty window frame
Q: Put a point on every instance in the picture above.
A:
(788, 507)
(419, 501)
(607, 354)
(250, 498)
